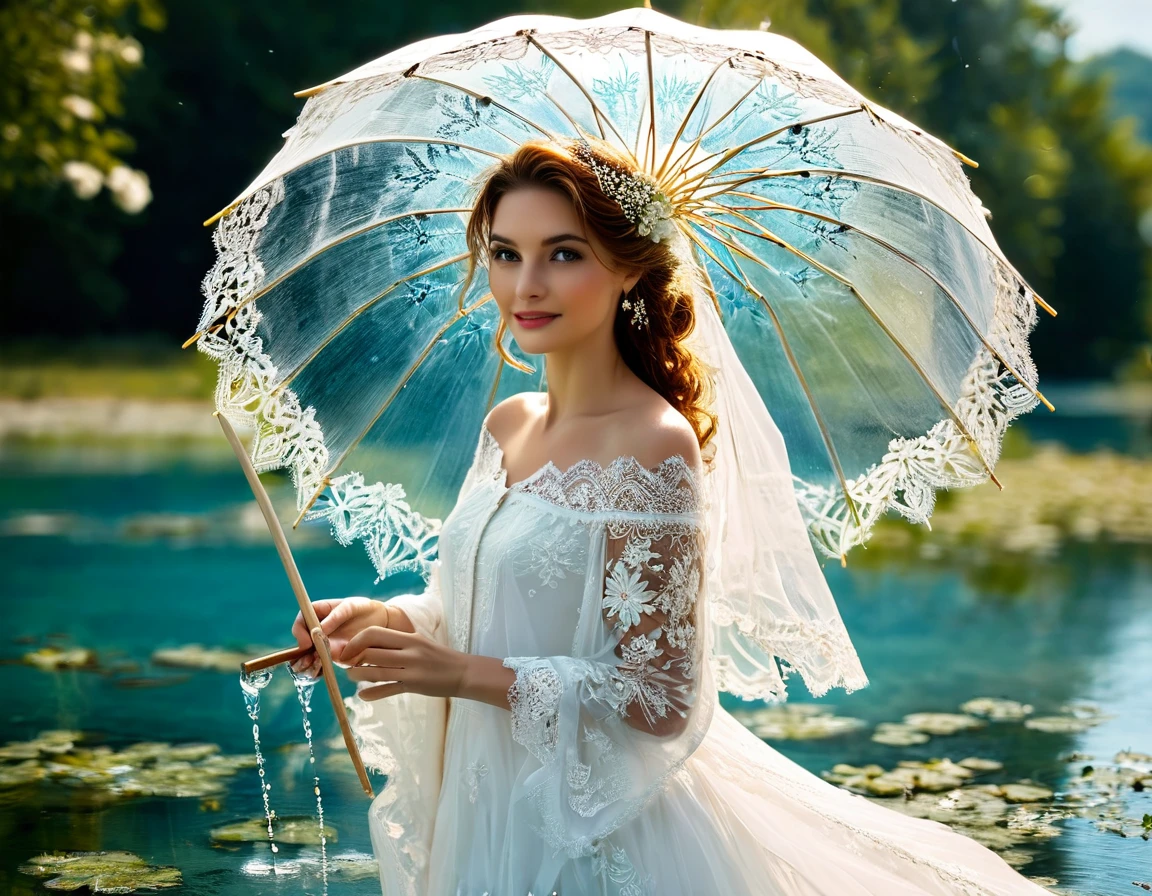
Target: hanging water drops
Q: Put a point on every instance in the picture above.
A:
(252, 684)
(305, 685)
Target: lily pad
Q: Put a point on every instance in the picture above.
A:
(997, 709)
(197, 656)
(1059, 724)
(298, 829)
(140, 769)
(802, 721)
(1025, 793)
(893, 734)
(52, 658)
(978, 765)
(101, 872)
(942, 723)
(26, 772)
(48, 743)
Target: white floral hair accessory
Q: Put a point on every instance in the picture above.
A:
(639, 198)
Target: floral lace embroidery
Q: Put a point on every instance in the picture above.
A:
(476, 771)
(588, 794)
(657, 573)
(551, 556)
(534, 699)
(614, 862)
(624, 486)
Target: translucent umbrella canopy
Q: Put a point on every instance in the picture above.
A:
(852, 265)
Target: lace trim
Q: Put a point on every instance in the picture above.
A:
(624, 486)
(821, 652)
(534, 699)
(907, 477)
(396, 537)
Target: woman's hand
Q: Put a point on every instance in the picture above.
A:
(409, 663)
(341, 620)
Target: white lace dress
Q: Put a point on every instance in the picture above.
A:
(616, 771)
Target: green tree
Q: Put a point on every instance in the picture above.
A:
(63, 66)
(1066, 186)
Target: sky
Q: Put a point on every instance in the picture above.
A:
(1106, 24)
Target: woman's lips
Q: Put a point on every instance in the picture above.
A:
(531, 323)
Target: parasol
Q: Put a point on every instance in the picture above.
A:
(852, 265)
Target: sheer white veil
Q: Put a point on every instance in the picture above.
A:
(768, 599)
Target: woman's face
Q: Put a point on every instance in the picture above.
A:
(552, 291)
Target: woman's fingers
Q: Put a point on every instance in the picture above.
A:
(381, 691)
(324, 609)
(372, 673)
(383, 657)
(374, 636)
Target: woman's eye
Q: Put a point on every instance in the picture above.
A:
(575, 255)
(497, 254)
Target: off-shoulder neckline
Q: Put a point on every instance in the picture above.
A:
(676, 462)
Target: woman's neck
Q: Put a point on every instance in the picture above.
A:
(588, 380)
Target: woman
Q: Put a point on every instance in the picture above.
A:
(624, 545)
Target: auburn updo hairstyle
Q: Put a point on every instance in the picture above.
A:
(656, 353)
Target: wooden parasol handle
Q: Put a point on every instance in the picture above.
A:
(319, 639)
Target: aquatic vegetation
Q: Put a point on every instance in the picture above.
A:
(197, 656)
(52, 658)
(895, 734)
(140, 769)
(934, 776)
(101, 872)
(298, 829)
(1010, 816)
(1102, 496)
(796, 721)
(942, 723)
(996, 709)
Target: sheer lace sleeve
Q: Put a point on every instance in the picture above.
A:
(610, 728)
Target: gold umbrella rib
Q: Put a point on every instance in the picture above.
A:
(682, 159)
(729, 154)
(344, 324)
(692, 109)
(887, 332)
(768, 174)
(348, 145)
(263, 290)
(597, 112)
(884, 244)
(651, 102)
(490, 100)
(825, 435)
(325, 481)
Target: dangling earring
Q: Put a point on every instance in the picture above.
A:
(639, 315)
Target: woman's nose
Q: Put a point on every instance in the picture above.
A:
(531, 283)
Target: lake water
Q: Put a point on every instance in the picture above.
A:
(83, 562)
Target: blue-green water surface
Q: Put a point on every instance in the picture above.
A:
(77, 568)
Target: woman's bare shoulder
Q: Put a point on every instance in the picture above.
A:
(656, 433)
(511, 414)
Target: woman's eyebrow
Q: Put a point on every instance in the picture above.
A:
(548, 242)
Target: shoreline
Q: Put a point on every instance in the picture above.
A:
(108, 418)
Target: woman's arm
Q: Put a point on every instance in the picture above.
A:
(486, 680)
